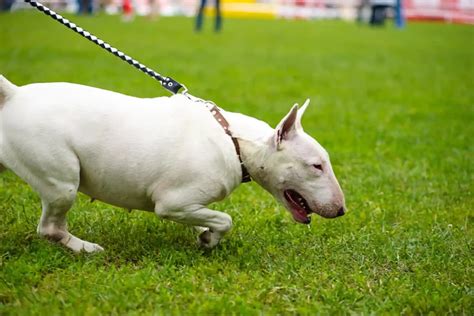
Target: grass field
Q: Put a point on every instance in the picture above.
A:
(395, 110)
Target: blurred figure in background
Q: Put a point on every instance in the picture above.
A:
(127, 10)
(362, 8)
(154, 11)
(6, 5)
(199, 17)
(85, 6)
(379, 10)
(109, 7)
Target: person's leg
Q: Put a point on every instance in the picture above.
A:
(90, 6)
(372, 14)
(80, 6)
(379, 15)
(218, 25)
(199, 17)
(6, 5)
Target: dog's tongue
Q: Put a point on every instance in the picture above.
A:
(299, 213)
(300, 218)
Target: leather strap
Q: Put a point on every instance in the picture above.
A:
(225, 125)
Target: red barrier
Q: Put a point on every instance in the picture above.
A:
(453, 11)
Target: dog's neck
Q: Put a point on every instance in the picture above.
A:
(255, 140)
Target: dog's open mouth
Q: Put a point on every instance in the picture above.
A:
(298, 206)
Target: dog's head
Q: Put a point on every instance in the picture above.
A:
(297, 171)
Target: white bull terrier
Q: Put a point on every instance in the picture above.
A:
(171, 155)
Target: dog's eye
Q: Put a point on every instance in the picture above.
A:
(318, 166)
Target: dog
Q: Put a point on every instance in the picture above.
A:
(169, 155)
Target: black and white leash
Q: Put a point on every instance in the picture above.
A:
(167, 82)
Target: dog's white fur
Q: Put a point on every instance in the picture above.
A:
(168, 155)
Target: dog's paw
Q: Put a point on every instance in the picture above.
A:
(90, 247)
(79, 245)
(208, 239)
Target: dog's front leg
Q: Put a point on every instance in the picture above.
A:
(216, 224)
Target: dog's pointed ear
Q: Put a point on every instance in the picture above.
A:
(300, 114)
(287, 126)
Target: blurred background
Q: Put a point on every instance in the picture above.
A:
(373, 11)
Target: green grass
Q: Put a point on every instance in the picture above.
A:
(395, 109)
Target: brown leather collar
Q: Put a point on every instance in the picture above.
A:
(225, 125)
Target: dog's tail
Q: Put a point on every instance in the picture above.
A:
(7, 90)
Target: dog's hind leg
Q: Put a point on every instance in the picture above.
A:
(56, 200)
(57, 186)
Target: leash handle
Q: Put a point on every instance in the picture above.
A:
(167, 82)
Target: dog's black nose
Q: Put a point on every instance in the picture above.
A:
(341, 211)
